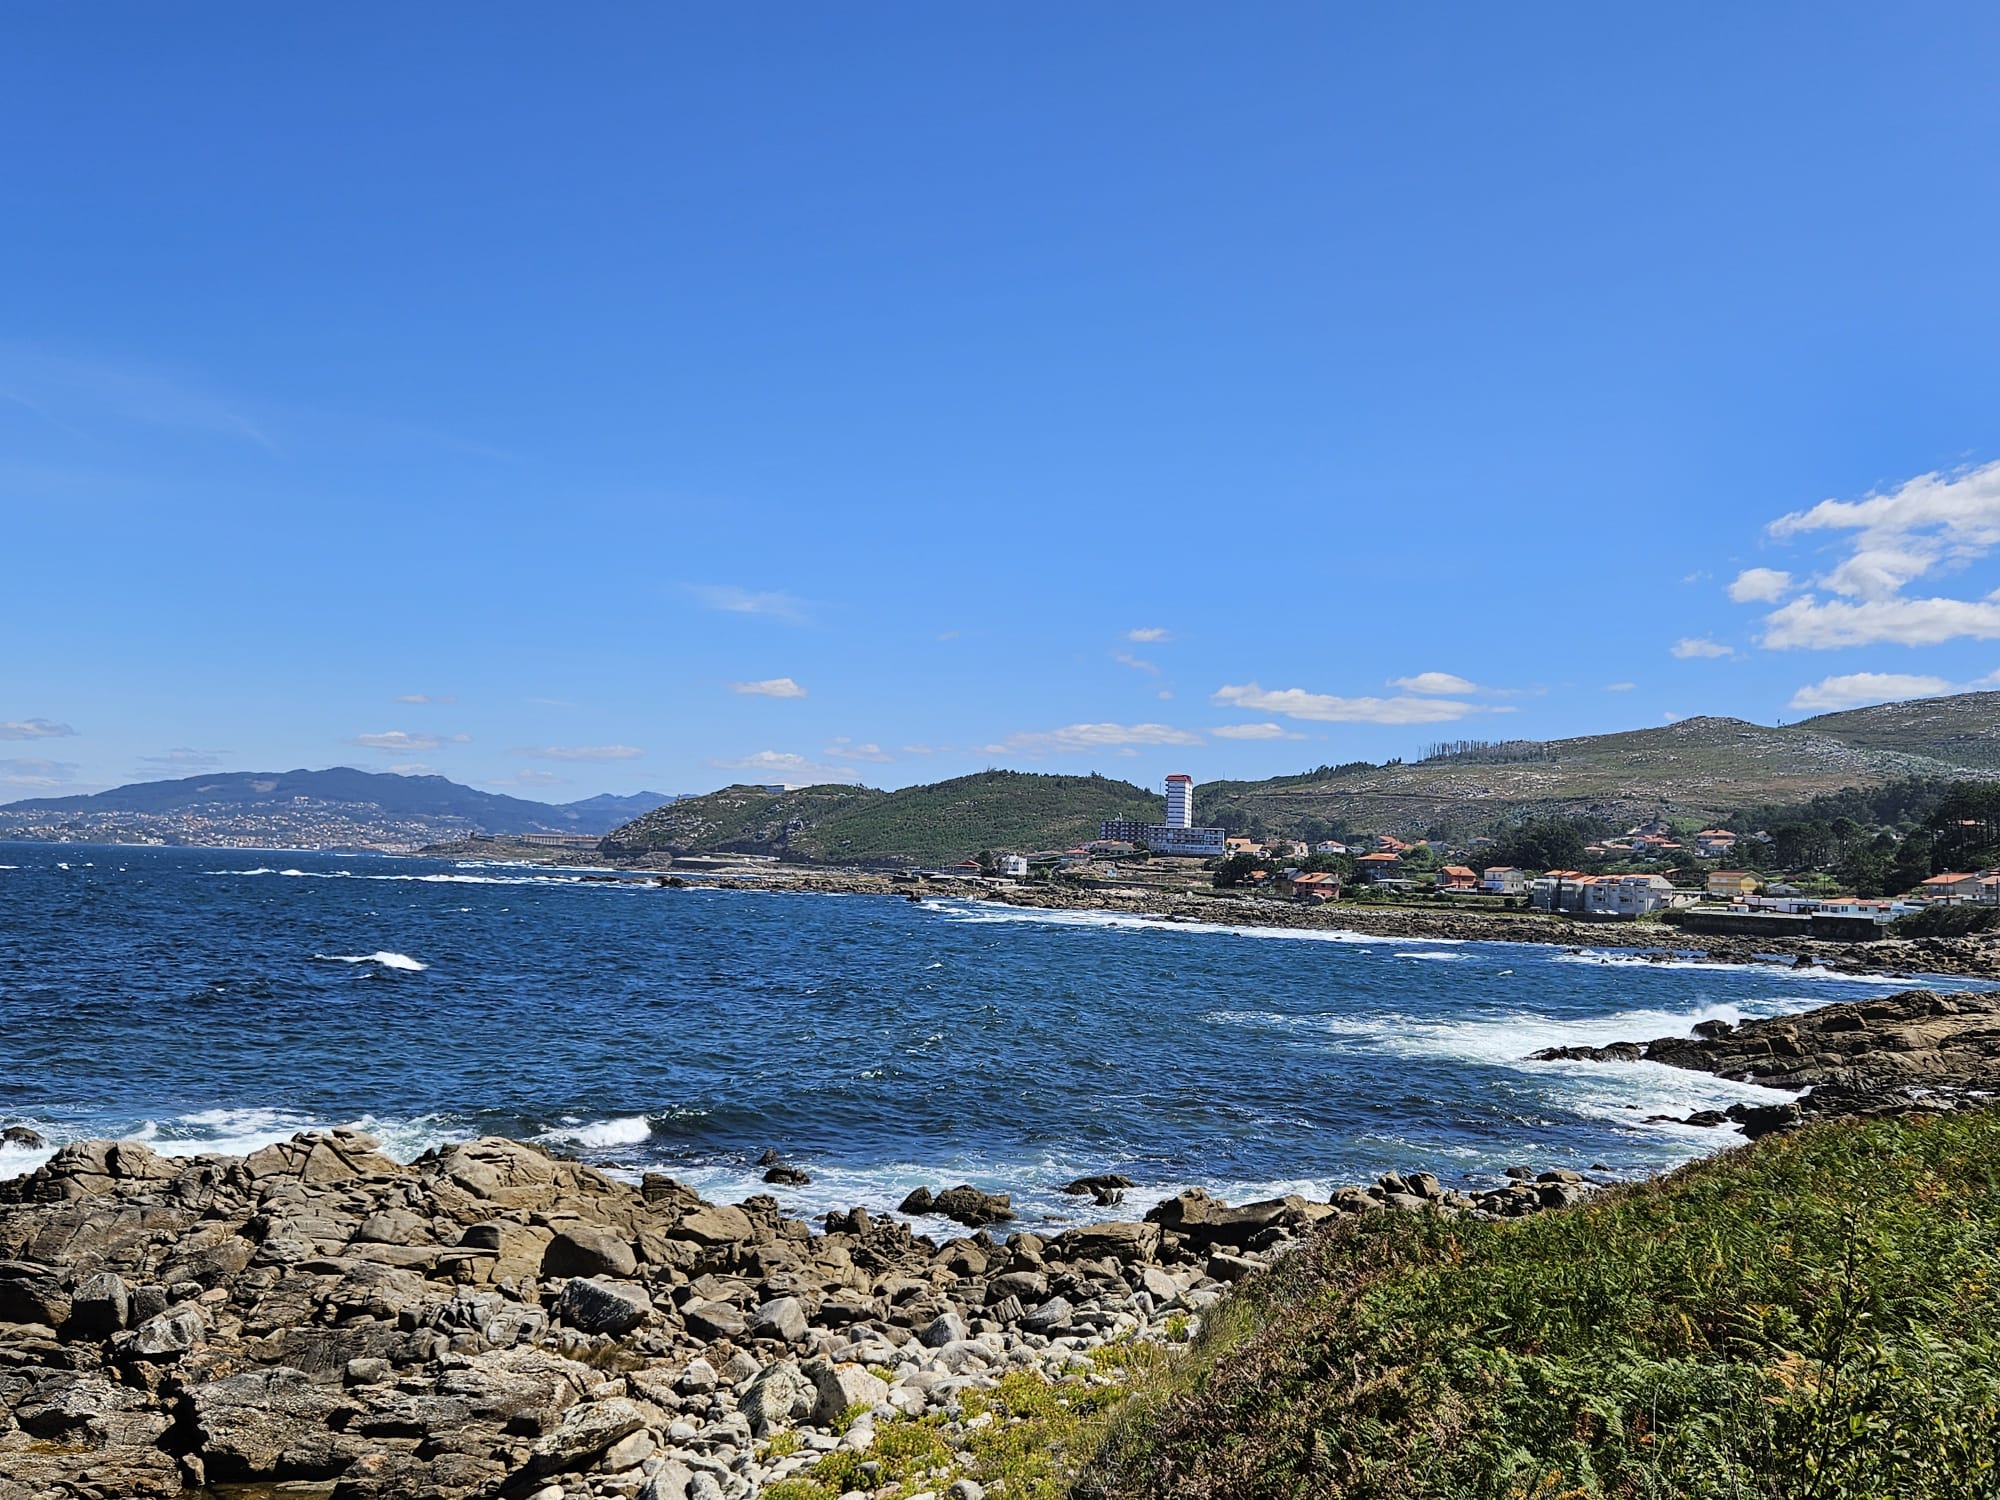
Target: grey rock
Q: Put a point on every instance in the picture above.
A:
(1052, 1314)
(697, 1379)
(668, 1482)
(965, 1489)
(842, 1387)
(945, 1328)
(99, 1307)
(779, 1397)
(781, 1318)
(586, 1431)
(167, 1336)
(714, 1320)
(271, 1424)
(597, 1306)
(586, 1250)
(628, 1452)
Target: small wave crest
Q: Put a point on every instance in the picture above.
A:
(997, 911)
(383, 957)
(625, 1130)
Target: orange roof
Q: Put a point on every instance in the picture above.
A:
(1457, 870)
(1948, 879)
(1317, 877)
(1373, 859)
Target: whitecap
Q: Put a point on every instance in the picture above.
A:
(967, 911)
(625, 1130)
(1598, 959)
(383, 957)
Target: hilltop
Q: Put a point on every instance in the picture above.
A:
(933, 824)
(338, 806)
(1699, 768)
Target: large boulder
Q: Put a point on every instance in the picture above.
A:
(1126, 1243)
(271, 1424)
(587, 1250)
(586, 1431)
(1206, 1221)
(600, 1306)
(780, 1396)
(842, 1388)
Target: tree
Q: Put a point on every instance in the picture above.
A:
(1912, 866)
(1540, 844)
(1965, 829)
(1236, 870)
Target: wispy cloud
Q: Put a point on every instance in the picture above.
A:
(411, 768)
(1435, 684)
(1149, 634)
(425, 698)
(844, 748)
(789, 769)
(72, 393)
(1255, 732)
(1933, 523)
(1326, 708)
(582, 752)
(1765, 585)
(1854, 689)
(1619, 687)
(400, 741)
(770, 687)
(36, 773)
(1698, 648)
(1075, 737)
(183, 759)
(34, 729)
(528, 776)
(1136, 663)
(771, 603)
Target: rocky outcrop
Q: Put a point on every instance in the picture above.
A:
(1916, 1050)
(492, 1322)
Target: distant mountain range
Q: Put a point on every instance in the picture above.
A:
(338, 806)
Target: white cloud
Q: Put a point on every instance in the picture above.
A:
(1149, 634)
(771, 603)
(401, 740)
(792, 770)
(770, 687)
(34, 729)
(411, 768)
(1165, 695)
(425, 698)
(583, 752)
(1255, 732)
(1434, 684)
(1818, 626)
(1691, 647)
(1297, 703)
(844, 748)
(1933, 522)
(919, 749)
(1137, 663)
(35, 773)
(1760, 584)
(1856, 688)
(1671, 717)
(1093, 737)
(1619, 687)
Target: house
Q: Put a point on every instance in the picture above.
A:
(1727, 885)
(1072, 857)
(1504, 880)
(1881, 912)
(967, 869)
(1014, 866)
(1625, 895)
(1558, 890)
(1376, 868)
(1651, 828)
(1950, 889)
(1714, 843)
(1388, 843)
(1235, 845)
(1457, 878)
(1316, 885)
(1329, 846)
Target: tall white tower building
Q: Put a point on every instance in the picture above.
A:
(1180, 802)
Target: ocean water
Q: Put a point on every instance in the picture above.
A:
(205, 1000)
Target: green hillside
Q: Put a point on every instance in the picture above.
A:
(1699, 768)
(1812, 1316)
(924, 825)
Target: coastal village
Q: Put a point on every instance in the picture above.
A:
(1653, 871)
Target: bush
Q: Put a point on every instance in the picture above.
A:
(1946, 921)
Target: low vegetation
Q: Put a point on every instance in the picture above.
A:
(1817, 1315)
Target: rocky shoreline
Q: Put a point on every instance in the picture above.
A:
(1918, 1050)
(492, 1321)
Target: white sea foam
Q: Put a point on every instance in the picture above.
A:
(995, 911)
(1710, 966)
(1439, 957)
(382, 957)
(625, 1130)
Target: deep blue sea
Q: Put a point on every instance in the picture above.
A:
(219, 999)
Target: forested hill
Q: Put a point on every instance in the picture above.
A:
(925, 825)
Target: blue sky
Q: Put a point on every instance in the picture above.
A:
(665, 396)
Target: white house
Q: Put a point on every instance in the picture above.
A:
(1014, 866)
(1626, 895)
(1503, 880)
